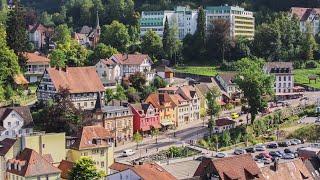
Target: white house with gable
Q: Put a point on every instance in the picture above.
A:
(15, 122)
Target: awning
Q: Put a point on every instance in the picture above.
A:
(166, 122)
(156, 126)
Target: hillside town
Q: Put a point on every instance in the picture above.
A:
(148, 90)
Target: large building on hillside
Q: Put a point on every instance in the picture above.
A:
(183, 17)
(241, 21)
(83, 84)
(307, 17)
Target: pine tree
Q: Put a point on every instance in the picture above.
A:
(165, 37)
(201, 25)
(17, 38)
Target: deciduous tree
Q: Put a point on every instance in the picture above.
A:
(116, 35)
(137, 138)
(151, 44)
(85, 169)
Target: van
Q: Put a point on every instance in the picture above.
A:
(128, 152)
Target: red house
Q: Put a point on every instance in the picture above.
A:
(145, 117)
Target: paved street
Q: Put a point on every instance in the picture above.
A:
(193, 131)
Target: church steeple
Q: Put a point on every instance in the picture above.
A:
(98, 29)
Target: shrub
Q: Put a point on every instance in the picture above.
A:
(297, 65)
(311, 64)
(310, 132)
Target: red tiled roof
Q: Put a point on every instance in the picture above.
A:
(236, 167)
(48, 157)
(36, 58)
(188, 92)
(6, 145)
(19, 79)
(294, 169)
(177, 99)
(38, 27)
(65, 167)
(131, 58)
(76, 79)
(88, 134)
(152, 171)
(120, 166)
(33, 164)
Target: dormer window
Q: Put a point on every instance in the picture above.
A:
(13, 115)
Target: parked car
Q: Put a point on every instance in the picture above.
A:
(234, 115)
(261, 148)
(292, 142)
(304, 98)
(315, 145)
(263, 155)
(273, 145)
(220, 155)
(275, 154)
(128, 152)
(288, 156)
(298, 141)
(288, 151)
(284, 144)
(251, 150)
(239, 151)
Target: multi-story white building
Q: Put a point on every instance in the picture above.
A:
(182, 17)
(241, 21)
(36, 64)
(109, 72)
(283, 73)
(132, 63)
(83, 84)
(15, 122)
(307, 17)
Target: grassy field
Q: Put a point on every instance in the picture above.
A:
(200, 70)
(301, 77)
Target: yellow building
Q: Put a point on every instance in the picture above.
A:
(30, 165)
(47, 144)
(95, 142)
(166, 107)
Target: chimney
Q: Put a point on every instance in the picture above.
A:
(161, 98)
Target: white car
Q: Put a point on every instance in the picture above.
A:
(261, 148)
(128, 152)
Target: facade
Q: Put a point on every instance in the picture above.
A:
(223, 124)
(165, 73)
(36, 64)
(95, 142)
(283, 73)
(16, 121)
(148, 171)
(38, 34)
(9, 149)
(165, 106)
(133, 63)
(226, 81)
(83, 84)
(183, 17)
(117, 119)
(187, 102)
(29, 165)
(46, 144)
(202, 90)
(145, 117)
(241, 21)
(307, 17)
(109, 72)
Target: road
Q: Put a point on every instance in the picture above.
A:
(192, 131)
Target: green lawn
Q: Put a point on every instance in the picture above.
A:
(301, 77)
(200, 70)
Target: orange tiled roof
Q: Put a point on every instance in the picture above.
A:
(36, 58)
(88, 134)
(19, 79)
(33, 164)
(152, 171)
(236, 167)
(76, 79)
(131, 58)
(188, 92)
(158, 100)
(65, 167)
(120, 166)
